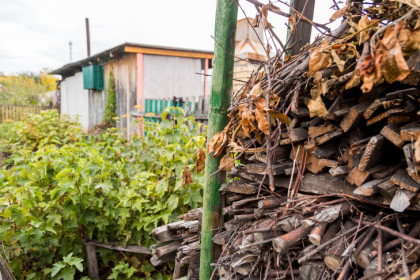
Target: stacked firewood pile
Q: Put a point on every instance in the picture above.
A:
(328, 180)
(179, 240)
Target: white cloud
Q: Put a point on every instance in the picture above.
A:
(35, 33)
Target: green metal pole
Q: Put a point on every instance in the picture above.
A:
(221, 87)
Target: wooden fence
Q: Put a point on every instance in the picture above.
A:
(13, 113)
(154, 107)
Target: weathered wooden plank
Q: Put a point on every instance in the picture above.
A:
(402, 179)
(240, 187)
(373, 153)
(392, 133)
(353, 117)
(410, 132)
(373, 108)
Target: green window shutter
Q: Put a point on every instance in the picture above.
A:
(93, 77)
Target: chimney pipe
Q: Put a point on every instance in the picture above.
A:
(88, 36)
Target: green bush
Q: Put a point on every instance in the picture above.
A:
(63, 187)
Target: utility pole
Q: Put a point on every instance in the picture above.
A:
(70, 49)
(87, 36)
(224, 47)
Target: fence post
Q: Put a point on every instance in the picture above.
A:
(225, 27)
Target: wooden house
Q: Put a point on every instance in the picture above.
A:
(141, 72)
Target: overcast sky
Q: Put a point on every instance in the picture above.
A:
(35, 34)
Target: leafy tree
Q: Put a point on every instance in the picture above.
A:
(26, 88)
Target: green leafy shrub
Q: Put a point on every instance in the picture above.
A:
(111, 101)
(66, 187)
(48, 127)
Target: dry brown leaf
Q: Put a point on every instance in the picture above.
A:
(226, 162)
(256, 90)
(186, 176)
(354, 80)
(412, 3)
(217, 143)
(274, 8)
(277, 115)
(320, 58)
(264, 15)
(394, 67)
(339, 13)
(338, 61)
(261, 116)
(316, 106)
(256, 21)
(363, 23)
(368, 74)
(247, 119)
(292, 23)
(201, 160)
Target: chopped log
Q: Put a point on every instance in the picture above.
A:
(383, 171)
(179, 270)
(373, 153)
(341, 113)
(290, 223)
(315, 131)
(339, 171)
(237, 204)
(384, 115)
(387, 189)
(316, 233)
(222, 238)
(167, 249)
(369, 188)
(261, 236)
(328, 163)
(282, 243)
(326, 150)
(333, 257)
(402, 179)
(234, 198)
(392, 103)
(331, 231)
(290, 171)
(261, 168)
(271, 202)
(353, 117)
(321, 140)
(392, 133)
(298, 134)
(358, 177)
(402, 93)
(310, 271)
(373, 108)
(244, 218)
(230, 225)
(313, 164)
(332, 213)
(240, 187)
(163, 234)
(401, 200)
(363, 259)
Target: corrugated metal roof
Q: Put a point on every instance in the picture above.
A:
(70, 68)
